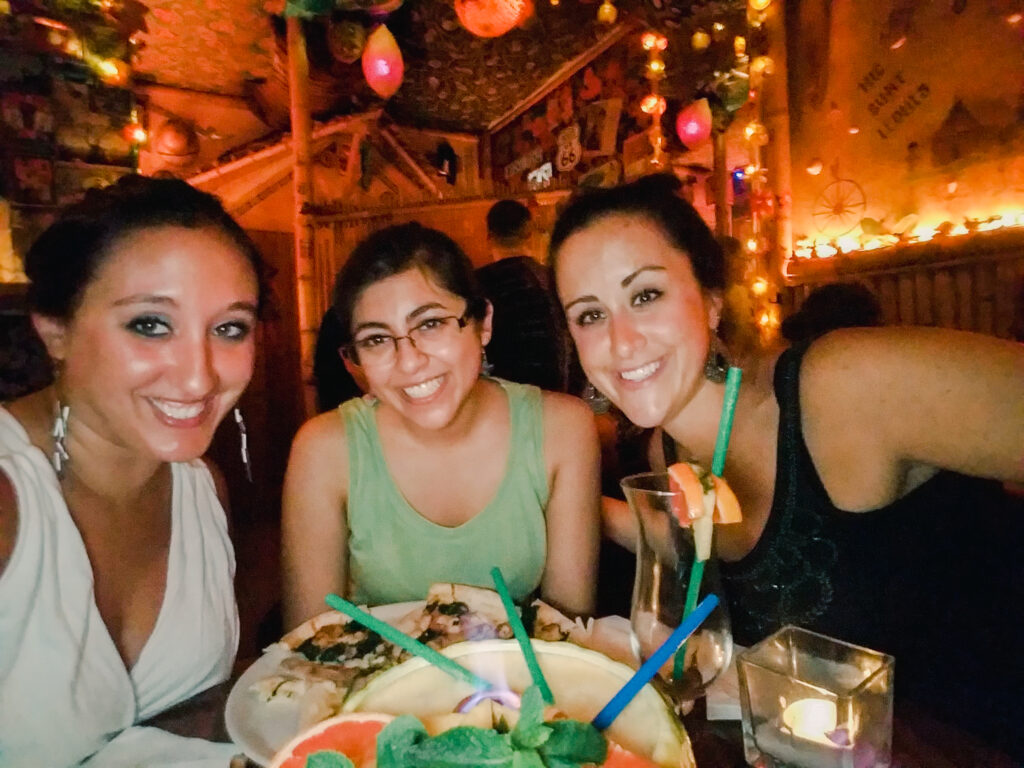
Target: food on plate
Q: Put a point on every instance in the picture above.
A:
(503, 738)
(699, 487)
(328, 657)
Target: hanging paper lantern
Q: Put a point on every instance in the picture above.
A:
(693, 123)
(382, 62)
(700, 40)
(346, 40)
(607, 13)
(492, 18)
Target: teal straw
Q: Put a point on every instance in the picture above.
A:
(407, 643)
(732, 393)
(522, 636)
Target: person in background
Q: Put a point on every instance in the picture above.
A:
(831, 306)
(868, 462)
(529, 344)
(116, 567)
(442, 473)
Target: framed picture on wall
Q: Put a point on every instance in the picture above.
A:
(600, 127)
(72, 180)
(27, 120)
(29, 180)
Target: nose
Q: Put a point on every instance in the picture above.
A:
(407, 356)
(197, 371)
(624, 336)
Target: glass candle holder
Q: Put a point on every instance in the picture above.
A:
(810, 701)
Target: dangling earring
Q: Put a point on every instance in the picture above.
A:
(717, 364)
(596, 399)
(60, 436)
(486, 367)
(244, 436)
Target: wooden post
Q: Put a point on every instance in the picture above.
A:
(302, 186)
(720, 174)
(775, 102)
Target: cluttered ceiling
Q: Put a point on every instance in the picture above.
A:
(453, 79)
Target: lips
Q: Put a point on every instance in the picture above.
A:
(424, 389)
(180, 414)
(642, 373)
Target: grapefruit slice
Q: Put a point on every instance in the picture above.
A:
(727, 508)
(619, 757)
(682, 478)
(354, 735)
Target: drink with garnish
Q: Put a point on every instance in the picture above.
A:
(675, 569)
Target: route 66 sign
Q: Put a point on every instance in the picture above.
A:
(569, 149)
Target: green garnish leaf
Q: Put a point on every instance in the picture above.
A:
(464, 745)
(396, 739)
(573, 742)
(527, 759)
(530, 732)
(328, 759)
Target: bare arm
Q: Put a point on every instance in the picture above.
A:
(314, 533)
(573, 460)
(885, 408)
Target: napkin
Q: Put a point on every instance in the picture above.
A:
(145, 747)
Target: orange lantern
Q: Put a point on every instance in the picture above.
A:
(492, 18)
(382, 62)
(693, 123)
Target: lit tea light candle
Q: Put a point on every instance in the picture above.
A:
(807, 736)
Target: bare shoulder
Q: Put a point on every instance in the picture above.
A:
(320, 439)
(567, 412)
(8, 520)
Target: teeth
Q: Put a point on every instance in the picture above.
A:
(425, 389)
(641, 373)
(178, 410)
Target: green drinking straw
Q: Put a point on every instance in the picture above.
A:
(407, 643)
(522, 636)
(732, 392)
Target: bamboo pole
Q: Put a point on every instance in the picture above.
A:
(302, 186)
(720, 174)
(775, 102)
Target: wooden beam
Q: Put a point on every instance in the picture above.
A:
(566, 71)
(408, 159)
(779, 163)
(302, 187)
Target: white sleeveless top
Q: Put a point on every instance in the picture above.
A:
(64, 689)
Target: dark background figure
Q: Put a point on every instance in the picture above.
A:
(529, 344)
(24, 362)
(334, 384)
(831, 306)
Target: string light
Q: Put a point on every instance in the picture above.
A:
(607, 13)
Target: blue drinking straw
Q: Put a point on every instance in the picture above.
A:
(650, 667)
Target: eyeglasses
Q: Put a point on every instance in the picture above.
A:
(430, 335)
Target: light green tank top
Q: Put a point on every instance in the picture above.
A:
(395, 554)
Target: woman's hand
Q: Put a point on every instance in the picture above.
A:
(573, 459)
(314, 531)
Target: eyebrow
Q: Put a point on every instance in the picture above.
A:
(625, 284)
(411, 316)
(148, 298)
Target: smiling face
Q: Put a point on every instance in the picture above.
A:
(640, 319)
(425, 386)
(162, 344)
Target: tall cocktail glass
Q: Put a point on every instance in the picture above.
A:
(665, 557)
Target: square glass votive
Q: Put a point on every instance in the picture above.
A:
(809, 701)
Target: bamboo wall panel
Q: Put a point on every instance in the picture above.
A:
(968, 287)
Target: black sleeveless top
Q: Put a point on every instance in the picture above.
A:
(936, 579)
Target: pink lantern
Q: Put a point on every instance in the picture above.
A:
(492, 18)
(382, 62)
(693, 123)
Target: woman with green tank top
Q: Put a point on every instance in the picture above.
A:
(440, 473)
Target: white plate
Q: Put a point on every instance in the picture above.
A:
(261, 729)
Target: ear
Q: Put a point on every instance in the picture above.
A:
(53, 332)
(486, 325)
(713, 302)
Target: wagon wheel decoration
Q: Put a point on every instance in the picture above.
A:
(839, 207)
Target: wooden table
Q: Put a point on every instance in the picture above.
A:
(918, 741)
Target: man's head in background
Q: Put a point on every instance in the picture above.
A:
(509, 230)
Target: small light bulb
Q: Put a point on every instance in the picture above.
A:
(607, 13)
(700, 40)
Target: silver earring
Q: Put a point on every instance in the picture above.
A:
(596, 399)
(60, 436)
(486, 367)
(244, 437)
(717, 364)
